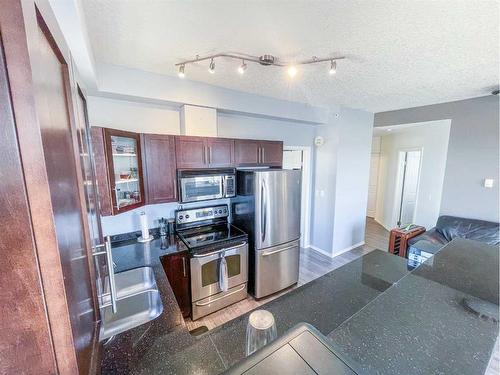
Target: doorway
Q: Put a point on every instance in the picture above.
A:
(299, 157)
(407, 187)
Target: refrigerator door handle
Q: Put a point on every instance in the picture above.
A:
(263, 211)
(279, 251)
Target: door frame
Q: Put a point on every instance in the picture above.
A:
(399, 182)
(305, 200)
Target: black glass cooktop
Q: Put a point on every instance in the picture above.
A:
(210, 234)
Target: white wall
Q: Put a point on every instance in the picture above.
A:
(432, 137)
(351, 192)
(291, 133)
(472, 153)
(341, 182)
(132, 116)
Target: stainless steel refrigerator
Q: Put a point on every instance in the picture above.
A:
(267, 207)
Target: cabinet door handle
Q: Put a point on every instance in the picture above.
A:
(210, 154)
(184, 266)
(204, 155)
(262, 158)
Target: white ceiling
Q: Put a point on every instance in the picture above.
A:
(399, 53)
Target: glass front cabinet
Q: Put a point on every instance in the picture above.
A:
(123, 154)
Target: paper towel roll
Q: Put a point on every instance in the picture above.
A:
(144, 225)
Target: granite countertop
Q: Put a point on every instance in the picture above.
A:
(165, 346)
(367, 307)
(420, 325)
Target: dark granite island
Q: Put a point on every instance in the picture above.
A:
(421, 324)
(342, 296)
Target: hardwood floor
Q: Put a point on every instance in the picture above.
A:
(376, 236)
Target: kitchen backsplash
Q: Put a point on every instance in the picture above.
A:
(129, 221)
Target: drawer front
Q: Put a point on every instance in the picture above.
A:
(276, 268)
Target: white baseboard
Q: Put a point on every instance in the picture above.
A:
(378, 222)
(349, 248)
(321, 251)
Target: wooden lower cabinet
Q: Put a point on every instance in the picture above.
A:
(159, 168)
(176, 267)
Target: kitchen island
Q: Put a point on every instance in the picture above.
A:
(357, 305)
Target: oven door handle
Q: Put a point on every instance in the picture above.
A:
(221, 297)
(219, 251)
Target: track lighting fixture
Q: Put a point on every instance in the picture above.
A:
(333, 68)
(242, 67)
(181, 71)
(264, 60)
(211, 67)
(292, 71)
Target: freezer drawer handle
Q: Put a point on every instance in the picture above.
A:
(278, 251)
(219, 251)
(221, 297)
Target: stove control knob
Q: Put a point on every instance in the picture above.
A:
(181, 217)
(225, 210)
(187, 216)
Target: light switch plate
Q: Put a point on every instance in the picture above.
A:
(488, 182)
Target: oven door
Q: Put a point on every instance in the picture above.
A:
(201, 188)
(205, 270)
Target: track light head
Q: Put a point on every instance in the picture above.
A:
(242, 68)
(211, 67)
(333, 68)
(292, 71)
(181, 71)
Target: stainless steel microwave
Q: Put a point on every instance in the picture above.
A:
(203, 184)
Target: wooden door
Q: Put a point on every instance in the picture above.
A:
(191, 152)
(271, 153)
(124, 159)
(26, 346)
(220, 152)
(246, 152)
(101, 168)
(55, 111)
(159, 168)
(176, 267)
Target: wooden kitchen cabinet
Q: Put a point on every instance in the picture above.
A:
(258, 153)
(159, 168)
(271, 153)
(204, 152)
(220, 152)
(190, 152)
(176, 266)
(101, 167)
(124, 168)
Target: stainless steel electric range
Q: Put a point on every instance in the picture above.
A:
(218, 258)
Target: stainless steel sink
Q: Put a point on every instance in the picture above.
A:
(138, 302)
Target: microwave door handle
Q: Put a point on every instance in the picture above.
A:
(224, 188)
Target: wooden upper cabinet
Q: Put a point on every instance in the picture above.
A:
(220, 152)
(271, 153)
(159, 168)
(101, 167)
(204, 152)
(258, 153)
(124, 159)
(190, 152)
(247, 152)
